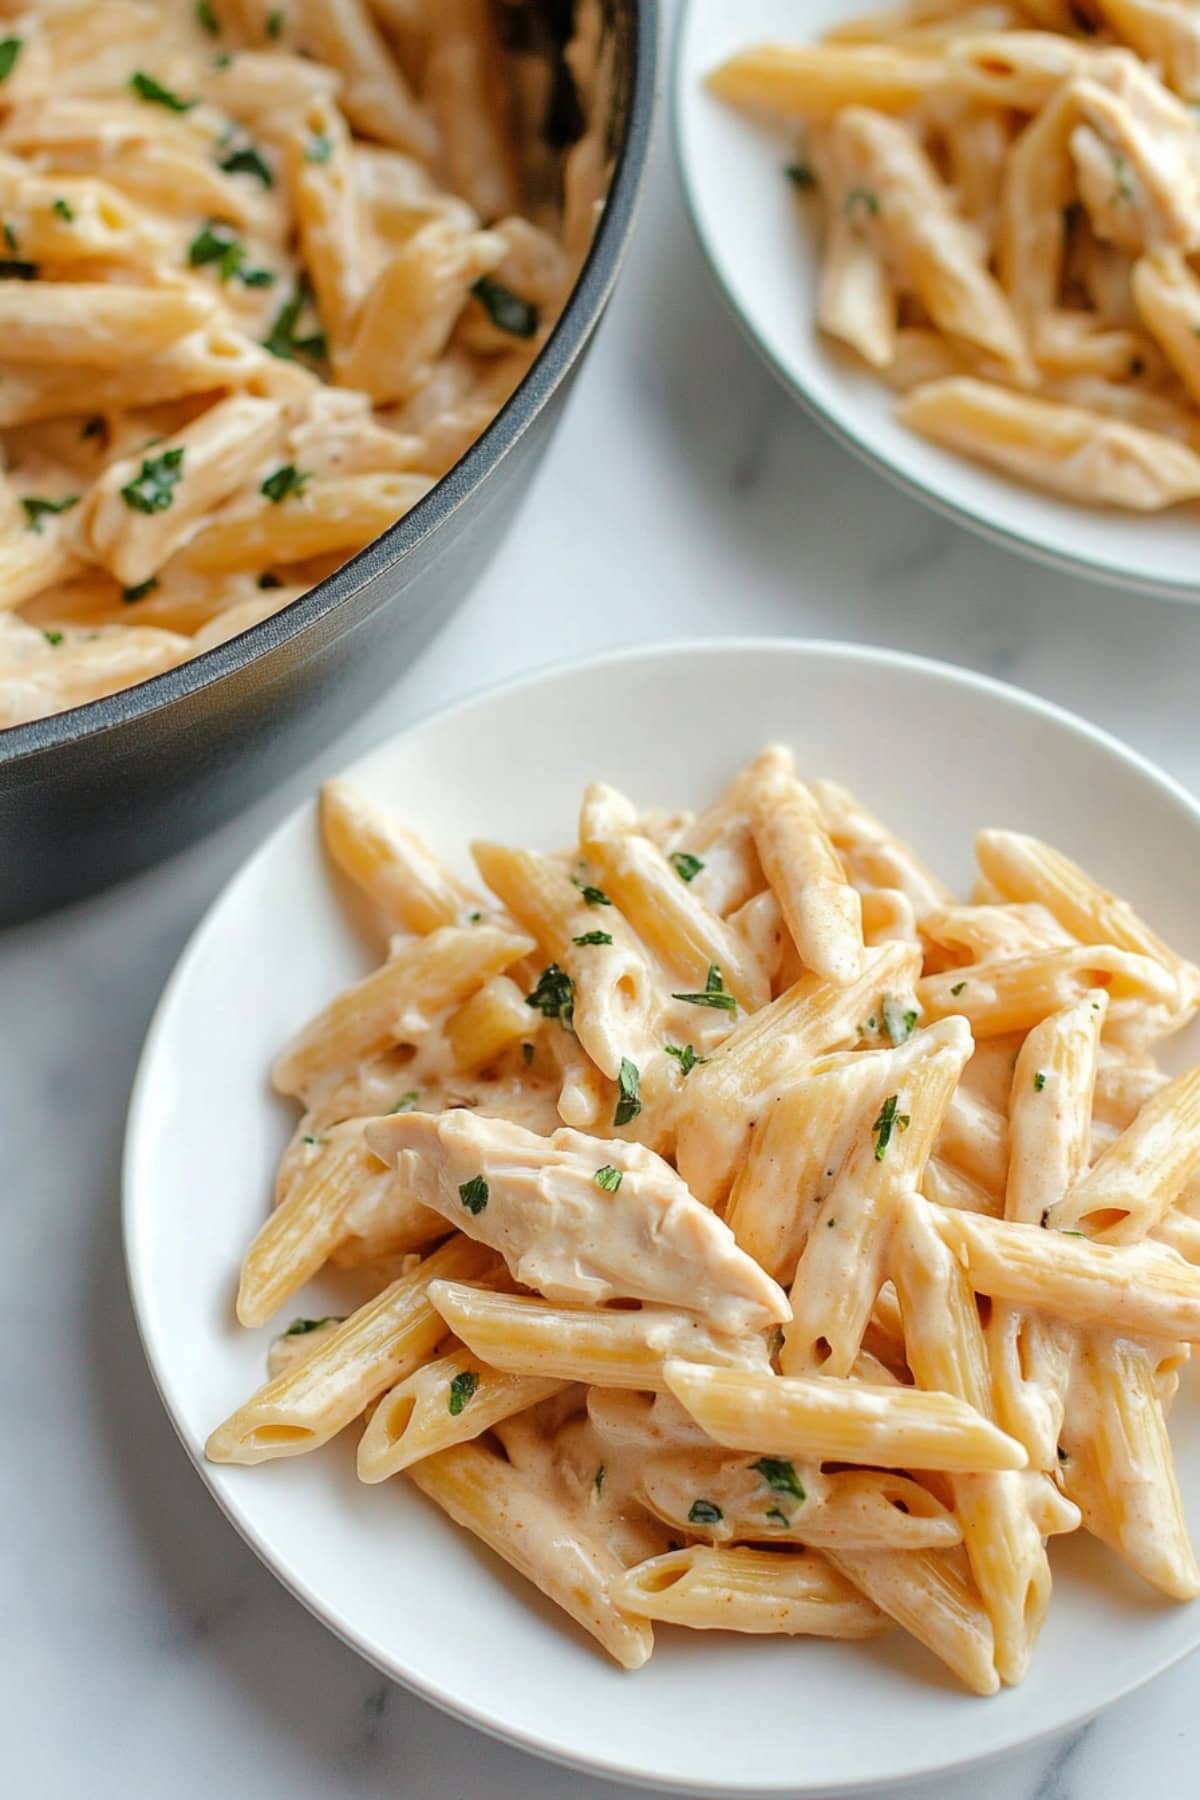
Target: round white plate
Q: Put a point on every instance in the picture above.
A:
(939, 753)
(760, 242)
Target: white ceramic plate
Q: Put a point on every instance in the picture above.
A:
(938, 752)
(762, 250)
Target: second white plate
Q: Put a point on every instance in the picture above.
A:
(763, 252)
(939, 753)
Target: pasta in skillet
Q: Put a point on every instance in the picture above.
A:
(753, 1236)
(266, 273)
(1010, 210)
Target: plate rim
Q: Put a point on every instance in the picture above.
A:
(1121, 579)
(554, 671)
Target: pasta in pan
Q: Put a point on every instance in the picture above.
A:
(751, 1236)
(1009, 202)
(265, 275)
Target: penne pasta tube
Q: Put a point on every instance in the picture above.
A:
(448, 1401)
(1130, 1186)
(1018, 992)
(511, 1514)
(323, 518)
(397, 1001)
(373, 1349)
(748, 1590)
(610, 1349)
(391, 865)
(96, 320)
(822, 911)
(813, 1416)
(924, 1592)
(874, 856)
(814, 83)
(490, 1022)
(1144, 1289)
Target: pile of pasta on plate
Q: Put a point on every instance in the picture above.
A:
(1009, 201)
(753, 1236)
(266, 272)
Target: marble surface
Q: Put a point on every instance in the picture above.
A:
(144, 1650)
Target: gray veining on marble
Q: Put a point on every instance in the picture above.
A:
(144, 1651)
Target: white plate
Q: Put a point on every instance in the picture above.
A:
(762, 250)
(939, 753)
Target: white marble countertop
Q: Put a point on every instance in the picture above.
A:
(145, 1651)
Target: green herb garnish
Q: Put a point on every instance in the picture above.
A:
(10, 238)
(593, 937)
(864, 198)
(801, 176)
(779, 1475)
(53, 638)
(10, 49)
(889, 1120)
(287, 480)
(685, 865)
(957, 989)
(777, 1517)
(629, 1085)
(1121, 177)
(207, 19)
(715, 993)
(152, 490)
(36, 510)
(898, 1021)
(608, 1178)
(461, 1389)
(302, 1327)
(405, 1103)
(246, 160)
(274, 23)
(685, 1056)
(139, 592)
(704, 1512)
(282, 341)
(554, 996)
(598, 1478)
(474, 1194)
(62, 209)
(146, 88)
(507, 311)
(319, 148)
(1039, 1081)
(594, 896)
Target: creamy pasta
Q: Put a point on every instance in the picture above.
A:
(1009, 204)
(753, 1236)
(266, 272)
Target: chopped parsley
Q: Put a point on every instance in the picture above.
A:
(302, 1327)
(685, 865)
(704, 1512)
(957, 989)
(274, 23)
(319, 148)
(62, 209)
(139, 592)
(36, 510)
(1124, 186)
(216, 244)
(10, 238)
(151, 491)
(18, 269)
(507, 311)
(593, 937)
(224, 61)
(629, 1085)
(715, 993)
(685, 1056)
(801, 176)
(474, 1194)
(473, 918)
(153, 92)
(309, 1139)
(286, 480)
(779, 1475)
(207, 19)
(864, 198)
(53, 638)
(594, 896)
(10, 49)
(898, 1021)
(776, 1517)
(608, 1178)
(889, 1120)
(598, 1478)
(554, 996)
(462, 1389)
(829, 1224)
(405, 1103)
(282, 341)
(1039, 1081)
(246, 160)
